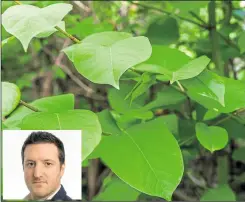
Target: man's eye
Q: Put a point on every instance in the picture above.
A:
(48, 164)
(30, 164)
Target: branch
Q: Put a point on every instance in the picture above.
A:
(214, 38)
(29, 106)
(170, 14)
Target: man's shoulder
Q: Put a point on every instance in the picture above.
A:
(61, 195)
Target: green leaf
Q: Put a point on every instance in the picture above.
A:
(221, 193)
(150, 158)
(87, 27)
(108, 124)
(165, 98)
(241, 42)
(234, 129)
(238, 154)
(104, 57)
(117, 100)
(191, 69)
(5, 41)
(117, 190)
(83, 120)
(163, 30)
(142, 86)
(216, 92)
(47, 33)
(27, 21)
(163, 60)
(206, 88)
(211, 137)
(10, 97)
(47, 104)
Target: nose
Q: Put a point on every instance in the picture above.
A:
(37, 171)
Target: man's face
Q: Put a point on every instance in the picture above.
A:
(42, 169)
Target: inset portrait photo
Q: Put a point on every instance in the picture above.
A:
(42, 165)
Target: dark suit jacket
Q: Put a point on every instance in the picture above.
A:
(61, 195)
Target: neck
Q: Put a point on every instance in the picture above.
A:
(46, 197)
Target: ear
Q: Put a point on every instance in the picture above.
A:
(62, 169)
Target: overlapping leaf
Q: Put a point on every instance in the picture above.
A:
(104, 57)
(215, 92)
(221, 193)
(27, 21)
(10, 97)
(150, 158)
(57, 103)
(83, 120)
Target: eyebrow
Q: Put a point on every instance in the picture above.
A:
(42, 160)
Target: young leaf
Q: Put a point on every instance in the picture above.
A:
(10, 97)
(142, 86)
(117, 100)
(83, 120)
(191, 69)
(150, 158)
(221, 193)
(57, 103)
(211, 137)
(27, 21)
(104, 57)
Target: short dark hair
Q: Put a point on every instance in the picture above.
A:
(44, 137)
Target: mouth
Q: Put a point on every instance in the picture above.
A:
(39, 182)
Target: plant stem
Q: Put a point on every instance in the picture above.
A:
(214, 38)
(198, 18)
(29, 106)
(222, 169)
(169, 13)
(17, 2)
(68, 35)
(59, 29)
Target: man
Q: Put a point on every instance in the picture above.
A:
(43, 160)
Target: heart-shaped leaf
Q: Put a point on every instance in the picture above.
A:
(104, 57)
(83, 120)
(10, 97)
(211, 137)
(47, 104)
(150, 157)
(27, 21)
(221, 193)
